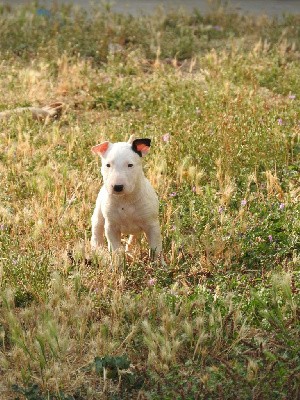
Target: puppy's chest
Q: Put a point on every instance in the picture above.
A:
(128, 217)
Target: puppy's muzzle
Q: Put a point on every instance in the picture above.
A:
(118, 188)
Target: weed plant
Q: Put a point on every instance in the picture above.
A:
(219, 96)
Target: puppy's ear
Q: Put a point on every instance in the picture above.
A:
(100, 148)
(141, 146)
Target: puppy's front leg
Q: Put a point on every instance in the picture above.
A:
(113, 236)
(97, 228)
(154, 239)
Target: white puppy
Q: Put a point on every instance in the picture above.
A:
(127, 203)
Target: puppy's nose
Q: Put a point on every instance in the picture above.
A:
(118, 188)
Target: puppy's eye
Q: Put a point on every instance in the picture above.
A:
(108, 165)
(130, 165)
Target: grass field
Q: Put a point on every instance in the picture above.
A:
(219, 95)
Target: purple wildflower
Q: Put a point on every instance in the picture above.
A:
(166, 137)
(151, 282)
(194, 189)
(280, 121)
(173, 194)
(243, 202)
(221, 209)
(281, 206)
(292, 96)
(270, 237)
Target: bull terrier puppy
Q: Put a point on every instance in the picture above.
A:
(126, 203)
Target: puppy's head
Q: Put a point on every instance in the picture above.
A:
(121, 164)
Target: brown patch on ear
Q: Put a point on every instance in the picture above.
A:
(141, 146)
(100, 148)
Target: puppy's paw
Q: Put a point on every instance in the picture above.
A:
(118, 259)
(96, 243)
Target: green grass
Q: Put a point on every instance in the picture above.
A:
(221, 320)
